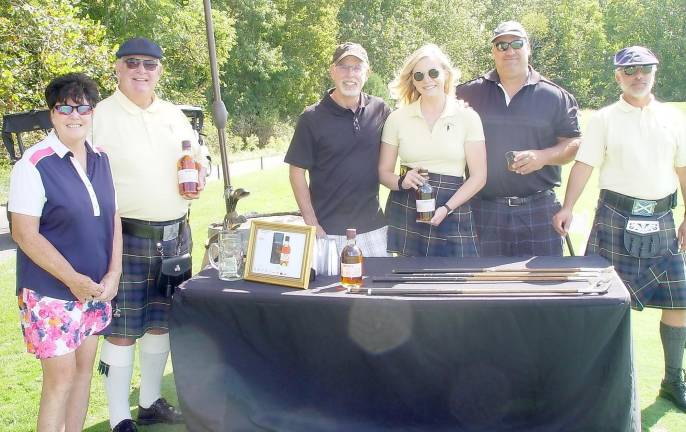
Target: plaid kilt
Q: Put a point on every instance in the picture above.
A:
(455, 236)
(139, 304)
(523, 230)
(658, 282)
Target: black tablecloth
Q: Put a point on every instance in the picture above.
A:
(254, 357)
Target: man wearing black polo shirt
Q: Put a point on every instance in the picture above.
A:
(534, 122)
(337, 142)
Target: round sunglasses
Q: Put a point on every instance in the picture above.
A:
(631, 70)
(515, 44)
(433, 73)
(68, 109)
(149, 65)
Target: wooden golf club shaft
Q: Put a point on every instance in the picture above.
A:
(501, 270)
(448, 278)
(500, 274)
(475, 291)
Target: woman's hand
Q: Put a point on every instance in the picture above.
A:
(413, 180)
(440, 214)
(84, 288)
(110, 284)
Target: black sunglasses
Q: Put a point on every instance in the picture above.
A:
(133, 63)
(515, 44)
(68, 109)
(631, 70)
(433, 73)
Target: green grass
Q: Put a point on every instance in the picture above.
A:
(20, 376)
(5, 169)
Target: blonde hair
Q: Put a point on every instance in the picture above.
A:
(402, 87)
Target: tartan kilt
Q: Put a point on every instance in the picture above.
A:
(658, 282)
(141, 306)
(455, 236)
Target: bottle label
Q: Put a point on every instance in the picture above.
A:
(424, 206)
(351, 270)
(188, 176)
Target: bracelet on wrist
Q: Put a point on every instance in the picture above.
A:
(447, 207)
(400, 182)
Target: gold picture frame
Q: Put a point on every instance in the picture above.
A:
(279, 254)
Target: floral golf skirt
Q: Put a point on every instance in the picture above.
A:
(54, 327)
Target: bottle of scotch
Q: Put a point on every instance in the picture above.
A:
(187, 170)
(426, 199)
(351, 263)
(285, 252)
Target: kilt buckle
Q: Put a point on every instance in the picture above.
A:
(513, 201)
(643, 207)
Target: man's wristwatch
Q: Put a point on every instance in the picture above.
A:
(447, 207)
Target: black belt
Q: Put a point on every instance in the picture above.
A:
(636, 206)
(515, 201)
(143, 229)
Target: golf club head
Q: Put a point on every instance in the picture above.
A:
(240, 193)
(233, 196)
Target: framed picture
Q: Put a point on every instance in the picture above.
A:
(279, 254)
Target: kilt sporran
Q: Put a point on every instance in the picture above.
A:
(642, 237)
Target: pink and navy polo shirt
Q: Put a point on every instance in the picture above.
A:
(76, 211)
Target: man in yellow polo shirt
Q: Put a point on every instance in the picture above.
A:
(639, 145)
(142, 135)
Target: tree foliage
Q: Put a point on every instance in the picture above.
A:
(179, 27)
(659, 25)
(279, 62)
(40, 39)
(274, 54)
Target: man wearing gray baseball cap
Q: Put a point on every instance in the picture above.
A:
(531, 128)
(639, 146)
(337, 141)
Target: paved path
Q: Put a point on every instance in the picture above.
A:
(7, 246)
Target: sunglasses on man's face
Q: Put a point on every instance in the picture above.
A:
(133, 63)
(631, 70)
(433, 74)
(68, 109)
(355, 68)
(515, 44)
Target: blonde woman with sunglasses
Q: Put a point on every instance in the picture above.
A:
(431, 130)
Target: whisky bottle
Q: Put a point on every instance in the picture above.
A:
(285, 252)
(187, 170)
(426, 199)
(351, 263)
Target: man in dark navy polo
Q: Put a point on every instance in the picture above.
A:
(531, 128)
(337, 142)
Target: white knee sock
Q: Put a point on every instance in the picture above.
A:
(116, 364)
(153, 358)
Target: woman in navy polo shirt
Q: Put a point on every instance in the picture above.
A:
(65, 221)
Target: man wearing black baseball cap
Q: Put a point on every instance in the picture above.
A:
(639, 146)
(142, 136)
(337, 140)
(531, 128)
